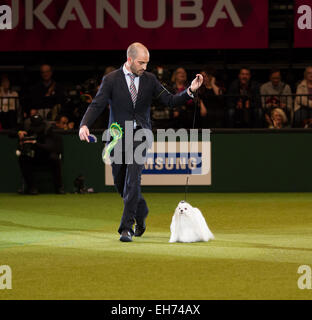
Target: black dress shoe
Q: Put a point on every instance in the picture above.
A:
(125, 236)
(139, 229)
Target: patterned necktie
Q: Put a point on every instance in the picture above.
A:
(133, 90)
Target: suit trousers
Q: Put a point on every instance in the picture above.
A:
(127, 180)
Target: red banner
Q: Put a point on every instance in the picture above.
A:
(114, 24)
(303, 24)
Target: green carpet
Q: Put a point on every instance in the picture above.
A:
(67, 247)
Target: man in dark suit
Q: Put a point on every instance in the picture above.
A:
(129, 92)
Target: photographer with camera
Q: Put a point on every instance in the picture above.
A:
(39, 145)
(78, 100)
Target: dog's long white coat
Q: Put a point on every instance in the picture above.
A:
(189, 226)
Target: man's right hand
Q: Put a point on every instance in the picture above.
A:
(84, 133)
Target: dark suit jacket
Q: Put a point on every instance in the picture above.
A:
(39, 100)
(114, 92)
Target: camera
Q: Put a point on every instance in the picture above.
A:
(79, 97)
(26, 149)
(29, 138)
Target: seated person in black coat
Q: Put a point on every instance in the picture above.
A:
(244, 103)
(47, 96)
(39, 145)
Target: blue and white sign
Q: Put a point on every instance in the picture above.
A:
(170, 163)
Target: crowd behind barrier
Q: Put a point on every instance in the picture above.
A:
(244, 103)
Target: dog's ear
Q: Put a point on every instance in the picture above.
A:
(189, 207)
(176, 211)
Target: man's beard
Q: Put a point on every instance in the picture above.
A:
(135, 72)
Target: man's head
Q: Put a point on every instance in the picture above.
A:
(46, 72)
(108, 70)
(5, 83)
(208, 73)
(278, 115)
(179, 75)
(61, 122)
(308, 74)
(275, 77)
(244, 76)
(137, 58)
(37, 124)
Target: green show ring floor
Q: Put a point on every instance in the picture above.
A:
(67, 247)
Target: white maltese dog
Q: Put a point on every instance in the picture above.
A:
(189, 225)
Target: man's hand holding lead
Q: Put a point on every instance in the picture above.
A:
(197, 82)
(84, 133)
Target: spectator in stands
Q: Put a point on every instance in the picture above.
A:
(277, 119)
(9, 104)
(62, 122)
(47, 96)
(109, 69)
(303, 101)
(162, 74)
(39, 145)
(183, 115)
(243, 103)
(276, 94)
(308, 124)
(210, 101)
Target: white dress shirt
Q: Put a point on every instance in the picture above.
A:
(136, 83)
(136, 79)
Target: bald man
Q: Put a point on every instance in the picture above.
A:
(129, 92)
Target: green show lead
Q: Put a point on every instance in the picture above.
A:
(116, 132)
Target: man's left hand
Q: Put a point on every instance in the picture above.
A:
(197, 82)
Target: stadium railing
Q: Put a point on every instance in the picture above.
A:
(10, 111)
(297, 109)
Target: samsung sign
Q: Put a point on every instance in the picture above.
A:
(173, 163)
(172, 167)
